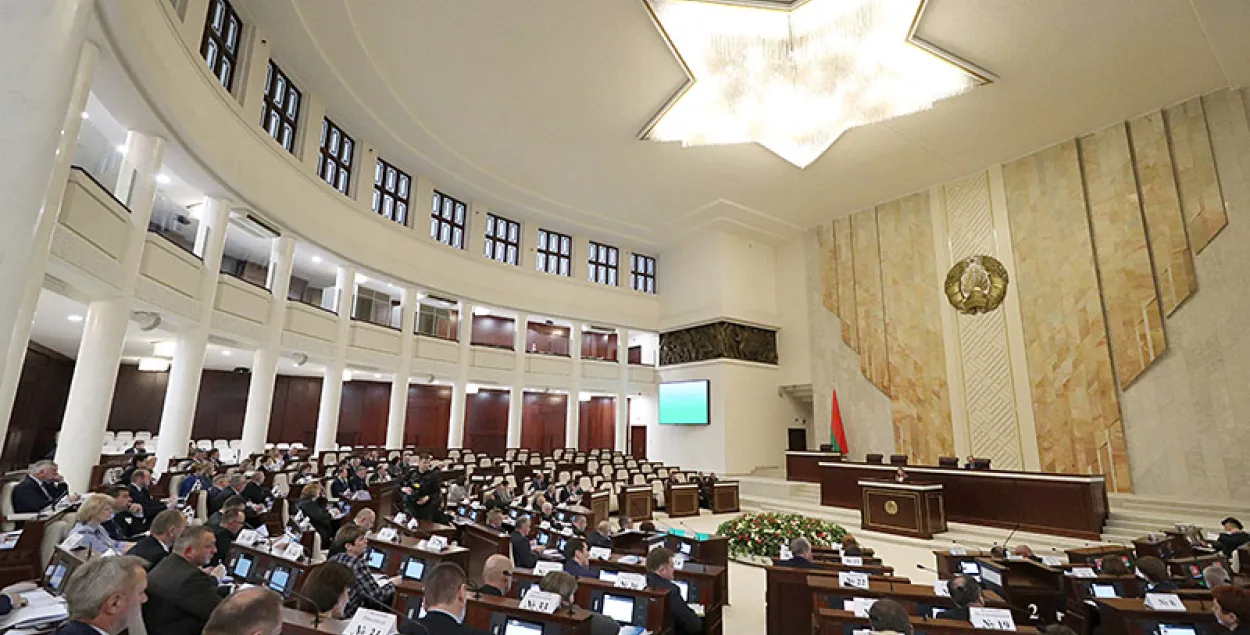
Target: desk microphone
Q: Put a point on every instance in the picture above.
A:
(1010, 535)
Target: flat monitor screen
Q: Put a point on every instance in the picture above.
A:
(619, 608)
(684, 587)
(243, 566)
(685, 548)
(414, 569)
(1103, 590)
(1177, 629)
(560, 544)
(934, 611)
(969, 568)
(685, 403)
(607, 576)
(56, 576)
(280, 579)
(544, 538)
(514, 513)
(375, 559)
(520, 627)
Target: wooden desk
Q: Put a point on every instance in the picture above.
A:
(1033, 590)
(407, 548)
(639, 543)
(705, 548)
(590, 591)
(1129, 616)
(906, 509)
(482, 611)
(805, 466)
(1081, 610)
(837, 622)
(599, 504)
(263, 565)
(682, 499)
(24, 561)
(725, 497)
(789, 601)
(424, 529)
(296, 622)
(408, 597)
(1061, 504)
(1163, 546)
(1094, 556)
(919, 599)
(482, 542)
(948, 564)
(635, 501)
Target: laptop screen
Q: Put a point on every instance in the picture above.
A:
(619, 608)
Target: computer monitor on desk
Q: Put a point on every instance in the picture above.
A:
(503, 624)
(281, 578)
(625, 609)
(687, 587)
(56, 575)
(375, 559)
(241, 566)
(413, 569)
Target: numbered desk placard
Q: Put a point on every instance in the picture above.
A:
(600, 553)
(370, 622)
(246, 537)
(785, 553)
(942, 588)
(388, 534)
(1052, 561)
(1083, 572)
(991, 576)
(991, 619)
(539, 601)
(679, 562)
(635, 581)
(401, 518)
(543, 567)
(437, 543)
(544, 525)
(861, 605)
(959, 550)
(413, 524)
(853, 579)
(293, 551)
(853, 561)
(1164, 602)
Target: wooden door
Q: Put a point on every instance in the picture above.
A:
(543, 421)
(638, 442)
(596, 423)
(486, 422)
(429, 416)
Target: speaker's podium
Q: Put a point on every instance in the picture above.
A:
(907, 509)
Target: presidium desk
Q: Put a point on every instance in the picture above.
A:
(907, 509)
(1059, 504)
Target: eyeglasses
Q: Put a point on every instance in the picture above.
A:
(507, 574)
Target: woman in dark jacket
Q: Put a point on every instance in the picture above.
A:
(312, 503)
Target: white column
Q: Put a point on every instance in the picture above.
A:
(397, 417)
(104, 333)
(332, 383)
(460, 393)
(42, 243)
(622, 403)
(265, 359)
(516, 400)
(572, 421)
(183, 390)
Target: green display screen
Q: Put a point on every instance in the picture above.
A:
(685, 403)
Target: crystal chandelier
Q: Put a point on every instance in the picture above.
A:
(794, 79)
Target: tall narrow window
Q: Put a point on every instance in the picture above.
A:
(602, 262)
(220, 46)
(335, 162)
(447, 220)
(503, 239)
(642, 273)
(555, 253)
(282, 103)
(390, 192)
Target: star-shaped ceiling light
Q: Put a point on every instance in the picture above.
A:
(794, 76)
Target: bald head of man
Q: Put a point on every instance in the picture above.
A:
(497, 574)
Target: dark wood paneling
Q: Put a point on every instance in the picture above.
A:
(635, 355)
(599, 346)
(219, 410)
(597, 423)
(486, 421)
(363, 413)
(543, 420)
(138, 398)
(429, 416)
(38, 407)
(295, 404)
(638, 442)
(547, 339)
(494, 331)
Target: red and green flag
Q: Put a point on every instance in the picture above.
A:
(837, 433)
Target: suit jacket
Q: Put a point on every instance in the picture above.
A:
(522, 554)
(685, 621)
(439, 623)
(596, 539)
(487, 589)
(215, 503)
(151, 507)
(356, 483)
(150, 549)
(320, 519)
(31, 496)
(180, 597)
(957, 613)
(797, 563)
(572, 567)
(339, 488)
(77, 628)
(254, 493)
(124, 526)
(224, 540)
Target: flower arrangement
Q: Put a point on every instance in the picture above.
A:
(757, 536)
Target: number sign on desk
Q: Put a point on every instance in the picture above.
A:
(544, 567)
(388, 534)
(293, 551)
(1052, 561)
(958, 551)
(942, 588)
(1083, 572)
(437, 543)
(991, 619)
(539, 601)
(991, 576)
(853, 579)
(853, 561)
(369, 622)
(1164, 602)
(785, 553)
(600, 553)
(861, 605)
(635, 581)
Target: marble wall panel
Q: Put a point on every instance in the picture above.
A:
(913, 331)
(869, 303)
(1075, 406)
(1134, 321)
(845, 256)
(1196, 179)
(1161, 208)
(828, 268)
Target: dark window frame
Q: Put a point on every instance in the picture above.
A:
(219, 46)
(505, 248)
(604, 264)
(561, 255)
(391, 185)
(332, 165)
(642, 273)
(448, 218)
(280, 106)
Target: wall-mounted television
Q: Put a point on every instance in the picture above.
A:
(686, 403)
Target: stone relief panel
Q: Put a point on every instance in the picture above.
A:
(845, 256)
(1161, 209)
(869, 303)
(1196, 180)
(718, 341)
(828, 268)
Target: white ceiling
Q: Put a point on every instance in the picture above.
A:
(534, 108)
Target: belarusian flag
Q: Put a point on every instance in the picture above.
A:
(838, 435)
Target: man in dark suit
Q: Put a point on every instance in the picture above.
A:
(127, 521)
(579, 526)
(359, 481)
(237, 482)
(167, 527)
(660, 578)
(255, 491)
(445, 601)
(800, 555)
(137, 448)
(254, 611)
(139, 493)
(225, 533)
(577, 559)
(102, 594)
(41, 488)
(496, 576)
(1158, 580)
(181, 597)
(421, 493)
(965, 592)
(341, 486)
(522, 554)
(601, 535)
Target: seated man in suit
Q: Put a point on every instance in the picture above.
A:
(800, 555)
(341, 487)
(1156, 573)
(225, 533)
(127, 521)
(445, 601)
(1233, 536)
(235, 488)
(965, 593)
(360, 480)
(499, 498)
(887, 615)
(577, 559)
(494, 519)
(138, 447)
(102, 594)
(41, 488)
(496, 576)
(522, 554)
(254, 611)
(660, 578)
(139, 493)
(166, 528)
(579, 526)
(601, 536)
(181, 596)
(255, 491)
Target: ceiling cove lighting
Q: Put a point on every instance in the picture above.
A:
(153, 364)
(793, 77)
